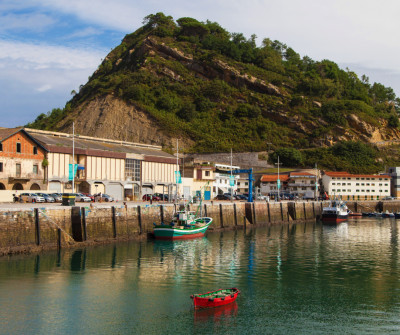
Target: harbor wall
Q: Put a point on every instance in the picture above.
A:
(36, 229)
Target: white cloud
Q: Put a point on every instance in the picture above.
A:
(35, 22)
(35, 79)
(33, 56)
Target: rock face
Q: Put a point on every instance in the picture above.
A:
(110, 117)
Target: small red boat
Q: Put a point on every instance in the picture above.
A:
(215, 298)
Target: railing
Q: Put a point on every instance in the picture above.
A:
(25, 176)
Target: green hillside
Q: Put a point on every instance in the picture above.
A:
(223, 91)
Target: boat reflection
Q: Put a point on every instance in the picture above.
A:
(217, 315)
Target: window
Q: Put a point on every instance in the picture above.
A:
(1, 146)
(333, 183)
(362, 184)
(18, 147)
(18, 170)
(132, 169)
(207, 173)
(333, 190)
(1, 166)
(348, 190)
(35, 150)
(357, 178)
(348, 184)
(35, 169)
(357, 184)
(357, 190)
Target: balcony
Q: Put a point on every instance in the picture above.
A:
(24, 176)
(301, 184)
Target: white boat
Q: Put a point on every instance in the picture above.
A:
(337, 211)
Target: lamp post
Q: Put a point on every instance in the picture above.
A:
(278, 182)
(316, 182)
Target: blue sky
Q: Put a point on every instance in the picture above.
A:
(50, 47)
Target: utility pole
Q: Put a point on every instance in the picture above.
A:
(73, 157)
(316, 182)
(278, 182)
(231, 182)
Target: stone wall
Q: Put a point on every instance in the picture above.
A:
(38, 229)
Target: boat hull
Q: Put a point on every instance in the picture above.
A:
(215, 298)
(176, 233)
(334, 218)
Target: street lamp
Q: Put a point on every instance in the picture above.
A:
(278, 182)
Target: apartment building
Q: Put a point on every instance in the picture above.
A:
(22, 161)
(348, 186)
(269, 184)
(198, 179)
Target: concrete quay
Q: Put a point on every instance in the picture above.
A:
(26, 228)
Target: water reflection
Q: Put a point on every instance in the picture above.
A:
(222, 315)
(311, 272)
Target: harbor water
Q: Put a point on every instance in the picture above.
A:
(294, 279)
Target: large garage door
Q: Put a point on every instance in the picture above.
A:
(186, 192)
(116, 191)
(55, 186)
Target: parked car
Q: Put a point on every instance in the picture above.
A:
(31, 197)
(162, 196)
(79, 197)
(222, 197)
(47, 197)
(104, 197)
(153, 197)
(91, 196)
(388, 198)
(57, 197)
(241, 197)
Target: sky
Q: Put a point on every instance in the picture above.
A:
(48, 48)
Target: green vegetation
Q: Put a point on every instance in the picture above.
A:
(259, 98)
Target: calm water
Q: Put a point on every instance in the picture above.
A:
(303, 279)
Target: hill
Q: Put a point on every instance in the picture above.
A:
(216, 90)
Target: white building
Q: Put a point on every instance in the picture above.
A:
(303, 184)
(222, 179)
(356, 186)
(395, 181)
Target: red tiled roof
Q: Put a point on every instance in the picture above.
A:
(282, 177)
(349, 175)
(7, 132)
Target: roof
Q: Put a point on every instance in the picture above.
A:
(349, 175)
(301, 174)
(274, 177)
(56, 143)
(8, 132)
